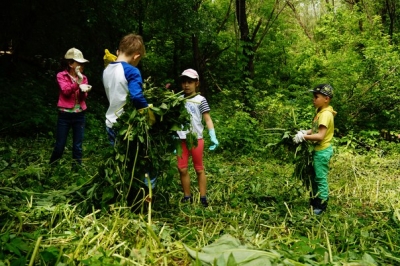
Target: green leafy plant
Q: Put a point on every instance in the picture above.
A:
(142, 150)
(301, 156)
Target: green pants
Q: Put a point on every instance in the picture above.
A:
(319, 182)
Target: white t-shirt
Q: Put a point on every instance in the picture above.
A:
(196, 107)
(121, 79)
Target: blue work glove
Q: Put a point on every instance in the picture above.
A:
(214, 140)
(153, 181)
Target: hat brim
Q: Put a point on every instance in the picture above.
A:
(81, 60)
(189, 76)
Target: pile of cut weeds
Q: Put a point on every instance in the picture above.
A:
(256, 201)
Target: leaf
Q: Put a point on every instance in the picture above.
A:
(108, 194)
(19, 262)
(175, 127)
(228, 246)
(3, 165)
(121, 157)
(122, 132)
(369, 259)
(4, 238)
(50, 254)
(18, 242)
(141, 139)
(164, 106)
(12, 248)
(231, 261)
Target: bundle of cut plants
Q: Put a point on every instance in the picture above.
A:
(143, 151)
(300, 155)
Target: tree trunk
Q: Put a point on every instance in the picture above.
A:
(244, 37)
(391, 11)
(198, 64)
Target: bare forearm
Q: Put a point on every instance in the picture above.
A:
(314, 137)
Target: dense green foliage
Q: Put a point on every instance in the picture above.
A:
(294, 47)
(256, 80)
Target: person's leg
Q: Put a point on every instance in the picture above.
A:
(183, 169)
(111, 135)
(185, 181)
(321, 167)
(202, 181)
(197, 157)
(78, 129)
(63, 125)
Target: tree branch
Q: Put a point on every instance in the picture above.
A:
(270, 21)
(297, 16)
(228, 12)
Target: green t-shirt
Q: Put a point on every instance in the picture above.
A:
(324, 117)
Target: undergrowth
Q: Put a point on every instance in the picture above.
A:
(253, 199)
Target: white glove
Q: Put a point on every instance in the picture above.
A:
(299, 137)
(85, 87)
(79, 74)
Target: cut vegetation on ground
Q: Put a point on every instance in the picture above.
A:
(258, 211)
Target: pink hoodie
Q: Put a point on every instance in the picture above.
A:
(70, 91)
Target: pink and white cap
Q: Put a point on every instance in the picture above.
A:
(191, 73)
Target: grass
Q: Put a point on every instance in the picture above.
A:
(255, 200)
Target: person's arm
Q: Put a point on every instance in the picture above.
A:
(317, 136)
(67, 87)
(135, 87)
(208, 120)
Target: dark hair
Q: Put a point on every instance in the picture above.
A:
(64, 64)
(184, 78)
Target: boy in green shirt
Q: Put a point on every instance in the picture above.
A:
(321, 134)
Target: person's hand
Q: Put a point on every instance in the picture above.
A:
(79, 74)
(299, 137)
(108, 57)
(214, 140)
(85, 87)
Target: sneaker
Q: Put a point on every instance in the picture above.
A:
(318, 211)
(318, 205)
(204, 202)
(187, 199)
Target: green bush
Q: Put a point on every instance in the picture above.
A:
(238, 133)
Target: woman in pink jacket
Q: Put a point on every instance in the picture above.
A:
(73, 91)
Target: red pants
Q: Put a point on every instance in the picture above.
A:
(196, 153)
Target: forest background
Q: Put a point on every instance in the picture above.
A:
(257, 60)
